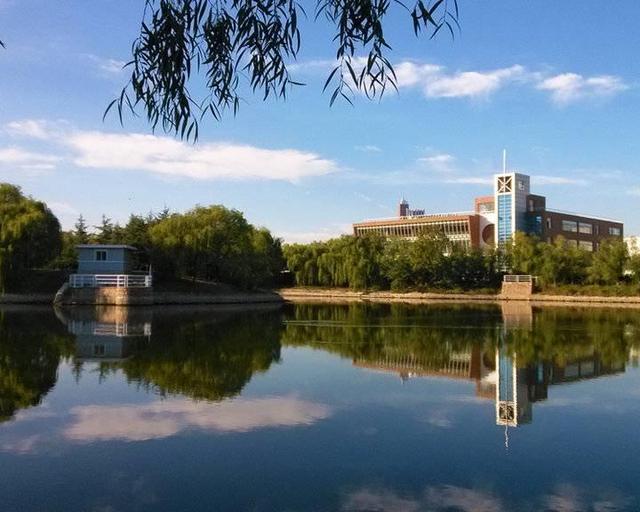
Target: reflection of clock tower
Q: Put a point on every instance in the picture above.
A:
(513, 406)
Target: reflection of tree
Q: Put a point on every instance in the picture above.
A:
(31, 345)
(373, 332)
(208, 356)
(561, 335)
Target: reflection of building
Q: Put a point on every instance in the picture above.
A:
(513, 406)
(498, 375)
(108, 334)
(466, 364)
(497, 217)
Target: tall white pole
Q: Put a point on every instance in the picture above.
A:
(504, 161)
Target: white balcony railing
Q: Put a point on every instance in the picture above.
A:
(515, 278)
(115, 280)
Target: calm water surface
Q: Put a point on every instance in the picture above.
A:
(320, 408)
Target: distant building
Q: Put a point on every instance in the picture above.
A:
(633, 244)
(497, 217)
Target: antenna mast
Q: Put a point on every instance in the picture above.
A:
(504, 161)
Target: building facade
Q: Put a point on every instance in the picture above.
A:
(496, 218)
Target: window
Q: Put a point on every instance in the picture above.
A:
(505, 184)
(101, 255)
(548, 222)
(585, 228)
(587, 246)
(570, 225)
(614, 231)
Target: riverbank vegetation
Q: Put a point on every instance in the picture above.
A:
(432, 263)
(215, 244)
(207, 243)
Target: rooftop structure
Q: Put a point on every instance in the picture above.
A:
(497, 217)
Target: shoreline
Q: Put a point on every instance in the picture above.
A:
(294, 295)
(336, 294)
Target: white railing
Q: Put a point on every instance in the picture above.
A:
(115, 280)
(515, 278)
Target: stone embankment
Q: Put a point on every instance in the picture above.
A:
(341, 295)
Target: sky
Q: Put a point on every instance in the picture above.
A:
(555, 83)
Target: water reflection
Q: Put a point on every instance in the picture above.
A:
(107, 334)
(362, 406)
(512, 357)
(30, 353)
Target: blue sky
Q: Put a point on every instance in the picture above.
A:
(556, 83)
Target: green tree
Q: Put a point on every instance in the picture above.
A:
(609, 262)
(29, 234)
(222, 43)
(561, 263)
(215, 244)
(81, 233)
(105, 232)
(524, 254)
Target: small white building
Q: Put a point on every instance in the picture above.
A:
(105, 259)
(107, 265)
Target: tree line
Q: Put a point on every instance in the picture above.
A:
(211, 243)
(432, 262)
(214, 243)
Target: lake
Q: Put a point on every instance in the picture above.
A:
(320, 407)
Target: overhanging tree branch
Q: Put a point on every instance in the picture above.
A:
(214, 45)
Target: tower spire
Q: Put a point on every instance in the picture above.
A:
(504, 161)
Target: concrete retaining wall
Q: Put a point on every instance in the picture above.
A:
(516, 290)
(110, 295)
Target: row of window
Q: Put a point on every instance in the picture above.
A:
(585, 228)
(582, 244)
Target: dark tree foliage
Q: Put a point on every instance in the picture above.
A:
(371, 262)
(218, 44)
(29, 234)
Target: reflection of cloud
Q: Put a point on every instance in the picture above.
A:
(569, 498)
(451, 497)
(441, 498)
(438, 418)
(161, 419)
(23, 445)
(380, 501)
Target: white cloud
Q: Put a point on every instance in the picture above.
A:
(440, 162)
(471, 84)
(15, 158)
(162, 419)
(106, 65)
(470, 181)
(368, 148)
(635, 191)
(409, 74)
(32, 128)
(437, 82)
(305, 237)
(567, 88)
(205, 161)
(556, 180)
